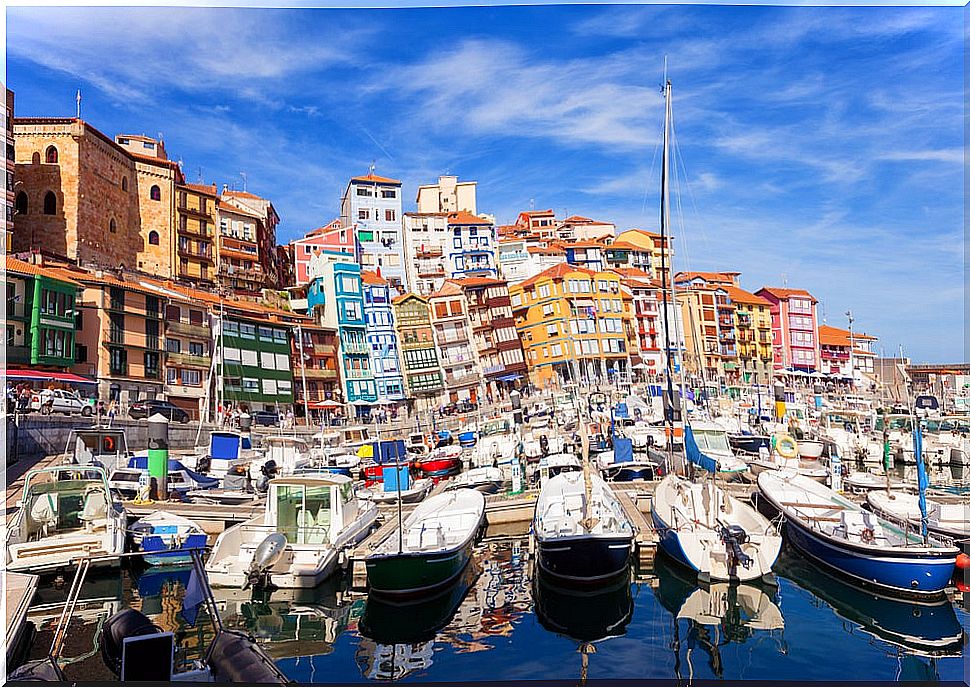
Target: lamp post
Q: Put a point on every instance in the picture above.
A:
(848, 314)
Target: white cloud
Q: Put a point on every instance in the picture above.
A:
(950, 155)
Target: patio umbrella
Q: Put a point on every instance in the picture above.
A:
(327, 403)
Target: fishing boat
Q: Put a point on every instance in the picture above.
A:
(441, 462)
(537, 445)
(747, 442)
(165, 538)
(839, 534)
(621, 464)
(712, 440)
(236, 489)
(946, 520)
(380, 453)
(924, 627)
(290, 454)
(64, 512)
(307, 522)
(487, 480)
(784, 456)
(846, 432)
(866, 481)
(581, 532)
(433, 546)
(225, 448)
(408, 491)
(417, 444)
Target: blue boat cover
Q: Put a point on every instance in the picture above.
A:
(396, 479)
(622, 450)
(390, 451)
(694, 454)
(203, 482)
(225, 445)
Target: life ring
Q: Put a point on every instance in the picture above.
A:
(867, 536)
(786, 446)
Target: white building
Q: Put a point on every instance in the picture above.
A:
(448, 195)
(444, 246)
(520, 259)
(372, 204)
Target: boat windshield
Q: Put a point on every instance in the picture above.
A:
(495, 427)
(710, 440)
(961, 424)
(902, 422)
(303, 513)
(57, 505)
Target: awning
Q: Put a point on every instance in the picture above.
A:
(42, 376)
(509, 378)
(318, 405)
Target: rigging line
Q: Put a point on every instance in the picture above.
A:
(690, 191)
(650, 174)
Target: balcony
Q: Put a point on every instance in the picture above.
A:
(324, 349)
(186, 360)
(196, 255)
(187, 329)
(355, 348)
(317, 373)
(462, 379)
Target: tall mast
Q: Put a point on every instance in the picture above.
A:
(664, 247)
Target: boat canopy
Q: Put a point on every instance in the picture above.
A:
(694, 454)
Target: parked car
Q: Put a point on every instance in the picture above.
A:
(467, 406)
(48, 401)
(267, 418)
(147, 408)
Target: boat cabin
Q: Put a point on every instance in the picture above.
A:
(357, 435)
(97, 446)
(496, 425)
(310, 510)
(289, 453)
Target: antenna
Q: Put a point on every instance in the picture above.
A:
(78, 99)
(784, 279)
(373, 166)
(201, 178)
(245, 181)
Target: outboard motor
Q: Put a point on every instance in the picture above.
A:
(235, 657)
(733, 537)
(236, 479)
(126, 623)
(544, 445)
(268, 471)
(203, 465)
(268, 554)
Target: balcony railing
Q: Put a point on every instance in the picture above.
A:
(188, 329)
(317, 373)
(187, 360)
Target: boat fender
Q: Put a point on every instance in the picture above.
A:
(963, 561)
(235, 657)
(123, 624)
(786, 446)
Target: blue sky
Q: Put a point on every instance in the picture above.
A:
(822, 146)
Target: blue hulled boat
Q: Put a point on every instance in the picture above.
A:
(166, 538)
(840, 535)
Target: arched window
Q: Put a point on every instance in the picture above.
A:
(153, 238)
(35, 159)
(20, 205)
(50, 203)
(124, 183)
(156, 193)
(113, 226)
(50, 156)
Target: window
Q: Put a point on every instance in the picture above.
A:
(195, 317)
(363, 213)
(152, 237)
(155, 193)
(196, 348)
(20, 204)
(171, 375)
(80, 353)
(363, 191)
(250, 385)
(365, 236)
(113, 226)
(124, 183)
(191, 377)
(265, 333)
(389, 216)
(173, 313)
(544, 291)
(247, 331)
(173, 345)
(50, 203)
(118, 361)
(388, 193)
(50, 156)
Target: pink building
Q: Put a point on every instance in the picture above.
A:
(331, 237)
(794, 325)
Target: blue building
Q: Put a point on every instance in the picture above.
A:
(471, 252)
(336, 298)
(382, 340)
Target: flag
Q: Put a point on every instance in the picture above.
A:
(193, 599)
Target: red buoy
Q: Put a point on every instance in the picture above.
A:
(963, 561)
(962, 586)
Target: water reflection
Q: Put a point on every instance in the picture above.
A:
(928, 629)
(716, 615)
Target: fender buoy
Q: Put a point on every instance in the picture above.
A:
(786, 446)
(963, 561)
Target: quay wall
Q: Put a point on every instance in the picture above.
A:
(34, 436)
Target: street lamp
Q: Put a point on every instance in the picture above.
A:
(848, 314)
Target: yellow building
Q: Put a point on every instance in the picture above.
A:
(752, 323)
(574, 325)
(639, 249)
(195, 254)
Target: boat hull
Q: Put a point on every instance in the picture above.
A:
(748, 443)
(585, 559)
(439, 467)
(160, 550)
(417, 573)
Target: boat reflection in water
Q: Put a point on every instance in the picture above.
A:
(587, 616)
(290, 623)
(398, 635)
(717, 614)
(919, 628)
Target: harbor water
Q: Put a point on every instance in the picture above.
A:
(503, 620)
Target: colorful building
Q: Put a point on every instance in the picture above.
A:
(41, 321)
(239, 264)
(331, 237)
(646, 323)
(587, 253)
(846, 354)
(448, 195)
(577, 228)
(452, 333)
(382, 341)
(752, 326)
(254, 360)
(10, 165)
(447, 246)
(494, 336)
(315, 367)
(573, 325)
(419, 354)
(372, 206)
(196, 242)
(794, 328)
(263, 210)
(188, 352)
(642, 250)
(336, 299)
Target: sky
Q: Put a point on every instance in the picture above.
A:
(816, 147)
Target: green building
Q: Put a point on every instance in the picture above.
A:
(40, 316)
(256, 369)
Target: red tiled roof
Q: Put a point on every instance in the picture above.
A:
(151, 159)
(15, 266)
(726, 277)
(577, 219)
(478, 281)
(548, 250)
(741, 296)
(232, 208)
(462, 217)
(449, 288)
(373, 178)
(372, 278)
(203, 188)
(833, 336)
(784, 294)
(242, 194)
(556, 272)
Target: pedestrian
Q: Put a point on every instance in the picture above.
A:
(112, 411)
(100, 407)
(289, 419)
(24, 398)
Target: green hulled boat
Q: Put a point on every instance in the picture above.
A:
(434, 545)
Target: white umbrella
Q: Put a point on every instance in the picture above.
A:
(360, 403)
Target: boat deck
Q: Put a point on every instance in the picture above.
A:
(18, 590)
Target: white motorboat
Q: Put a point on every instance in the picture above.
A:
(810, 449)
(291, 454)
(166, 538)
(308, 521)
(712, 440)
(65, 512)
(951, 520)
(711, 532)
(539, 444)
(412, 493)
(550, 466)
(99, 446)
(865, 481)
(487, 480)
(845, 432)
(497, 444)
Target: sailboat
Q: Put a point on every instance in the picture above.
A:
(700, 525)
